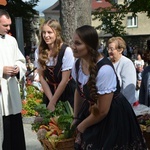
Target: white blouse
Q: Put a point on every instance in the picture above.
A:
(105, 81)
(139, 63)
(67, 61)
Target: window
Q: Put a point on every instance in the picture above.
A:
(132, 21)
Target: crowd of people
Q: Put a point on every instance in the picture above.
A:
(100, 89)
(130, 70)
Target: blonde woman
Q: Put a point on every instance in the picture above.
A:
(54, 61)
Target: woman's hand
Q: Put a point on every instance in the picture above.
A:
(80, 128)
(74, 123)
(51, 106)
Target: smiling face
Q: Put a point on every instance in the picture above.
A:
(116, 45)
(113, 51)
(79, 47)
(48, 34)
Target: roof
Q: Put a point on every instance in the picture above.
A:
(55, 7)
(95, 5)
(102, 4)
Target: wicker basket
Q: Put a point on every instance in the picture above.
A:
(66, 144)
(147, 138)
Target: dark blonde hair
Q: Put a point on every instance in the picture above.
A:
(120, 43)
(43, 47)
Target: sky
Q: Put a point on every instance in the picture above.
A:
(44, 4)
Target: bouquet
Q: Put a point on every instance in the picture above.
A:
(54, 126)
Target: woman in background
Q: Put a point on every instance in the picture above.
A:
(124, 68)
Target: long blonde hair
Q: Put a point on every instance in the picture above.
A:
(43, 47)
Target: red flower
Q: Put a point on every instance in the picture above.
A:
(38, 100)
(23, 112)
(24, 102)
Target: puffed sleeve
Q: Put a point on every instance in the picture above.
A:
(68, 59)
(106, 80)
(73, 71)
(36, 55)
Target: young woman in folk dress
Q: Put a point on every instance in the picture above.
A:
(103, 116)
(54, 61)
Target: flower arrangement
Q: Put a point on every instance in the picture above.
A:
(54, 126)
(33, 99)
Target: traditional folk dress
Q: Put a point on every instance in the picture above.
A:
(53, 73)
(119, 130)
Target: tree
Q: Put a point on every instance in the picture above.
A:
(73, 14)
(113, 16)
(140, 6)
(136, 5)
(18, 8)
(111, 19)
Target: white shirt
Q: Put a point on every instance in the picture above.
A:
(67, 61)
(126, 73)
(10, 55)
(139, 63)
(105, 81)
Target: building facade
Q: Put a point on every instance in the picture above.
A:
(136, 27)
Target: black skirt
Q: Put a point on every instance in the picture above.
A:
(119, 130)
(13, 133)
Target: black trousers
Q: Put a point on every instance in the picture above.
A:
(13, 133)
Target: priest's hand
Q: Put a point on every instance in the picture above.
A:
(10, 70)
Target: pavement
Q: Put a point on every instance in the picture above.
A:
(32, 142)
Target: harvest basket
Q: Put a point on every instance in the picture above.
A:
(147, 138)
(66, 144)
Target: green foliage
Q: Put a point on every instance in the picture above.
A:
(33, 99)
(34, 90)
(63, 111)
(64, 123)
(111, 18)
(43, 117)
(18, 8)
(148, 122)
(136, 6)
(139, 6)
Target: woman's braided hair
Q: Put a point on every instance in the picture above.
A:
(90, 37)
(43, 47)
